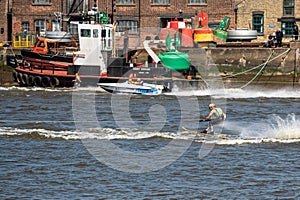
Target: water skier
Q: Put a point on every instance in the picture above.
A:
(215, 116)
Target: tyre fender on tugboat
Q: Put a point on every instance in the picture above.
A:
(45, 81)
(19, 75)
(15, 75)
(37, 81)
(54, 82)
(24, 79)
(30, 80)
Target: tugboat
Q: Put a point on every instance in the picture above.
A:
(47, 66)
(43, 66)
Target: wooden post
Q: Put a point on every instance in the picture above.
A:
(295, 66)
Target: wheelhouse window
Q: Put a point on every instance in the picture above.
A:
(160, 2)
(288, 7)
(85, 33)
(95, 33)
(131, 25)
(40, 44)
(258, 23)
(125, 2)
(287, 28)
(198, 2)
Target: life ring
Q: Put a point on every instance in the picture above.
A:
(24, 79)
(15, 75)
(54, 82)
(30, 80)
(37, 80)
(45, 81)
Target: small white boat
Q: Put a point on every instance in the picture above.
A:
(145, 88)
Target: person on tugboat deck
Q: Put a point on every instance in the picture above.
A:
(215, 116)
(77, 81)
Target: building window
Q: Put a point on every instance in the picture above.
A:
(40, 26)
(160, 2)
(288, 7)
(287, 28)
(198, 2)
(125, 2)
(25, 27)
(258, 23)
(132, 26)
(41, 1)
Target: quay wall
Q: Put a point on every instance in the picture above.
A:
(280, 59)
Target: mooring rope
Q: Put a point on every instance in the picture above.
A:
(263, 64)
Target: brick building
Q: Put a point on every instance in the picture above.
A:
(149, 16)
(146, 17)
(268, 16)
(5, 19)
(37, 16)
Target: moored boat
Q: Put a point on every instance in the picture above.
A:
(44, 65)
(129, 88)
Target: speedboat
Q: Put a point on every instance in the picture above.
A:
(125, 87)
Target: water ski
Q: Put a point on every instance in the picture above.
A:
(205, 134)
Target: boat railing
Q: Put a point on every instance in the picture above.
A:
(42, 67)
(70, 50)
(64, 50)
(24, 40)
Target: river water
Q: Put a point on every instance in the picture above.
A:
(87, 144)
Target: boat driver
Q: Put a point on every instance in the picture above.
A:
(139, 81)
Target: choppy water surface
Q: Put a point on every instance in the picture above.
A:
(63, 144)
